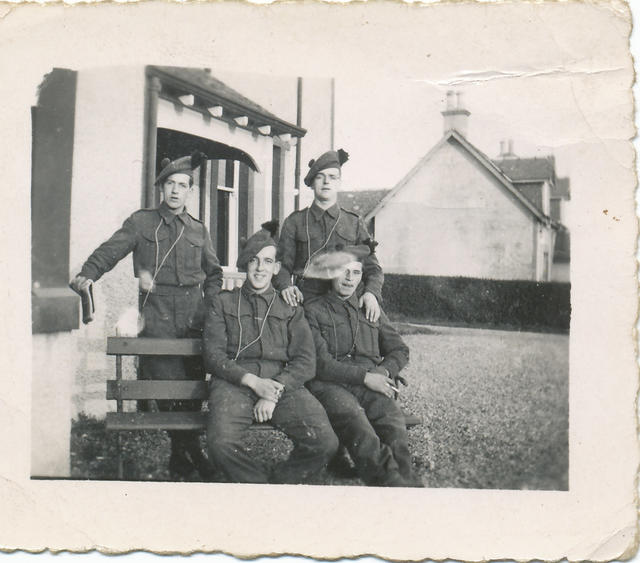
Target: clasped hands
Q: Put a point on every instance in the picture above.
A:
(268, 391)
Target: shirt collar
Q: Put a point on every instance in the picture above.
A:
(335, 300)
(248, 292)
(318, 211)
(168, 217)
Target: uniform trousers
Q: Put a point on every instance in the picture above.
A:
(298, 414)
(174, 312)
(372, 428)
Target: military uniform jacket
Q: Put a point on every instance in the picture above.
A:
(284, 352)
(149, 234)
(348, 345)
(305, 232)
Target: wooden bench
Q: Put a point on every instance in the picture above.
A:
(121, 390)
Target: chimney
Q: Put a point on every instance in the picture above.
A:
(506, 149)
(450, 100)
(455, 116)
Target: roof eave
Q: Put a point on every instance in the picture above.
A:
(278, 126)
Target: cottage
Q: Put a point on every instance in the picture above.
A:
(98, 138)
(459, 213)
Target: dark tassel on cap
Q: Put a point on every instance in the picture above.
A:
(371, 244)
(343, 156)
(271, 227)
(197, 158)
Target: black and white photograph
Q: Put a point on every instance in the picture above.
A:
(324, 261)
(420, 324)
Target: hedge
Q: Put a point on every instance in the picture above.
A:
(523, 305)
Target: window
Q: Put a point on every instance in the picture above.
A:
(55, 307)
(224, 201)
(230, 207)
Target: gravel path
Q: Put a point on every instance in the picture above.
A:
(494, 404)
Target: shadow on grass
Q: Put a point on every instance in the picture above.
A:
(407, 322)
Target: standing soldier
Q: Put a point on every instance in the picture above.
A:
(319, 228)
(178, 271)
(260, 352)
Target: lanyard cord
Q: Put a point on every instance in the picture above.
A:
(309, 255)
(264, 322)
(164, 259)
(354, 335)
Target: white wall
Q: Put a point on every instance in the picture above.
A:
(106, 189)
(454, 219)
(54, 357)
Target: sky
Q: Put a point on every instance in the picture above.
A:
(387, 124)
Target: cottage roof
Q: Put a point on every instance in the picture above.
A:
(561, 188)
(453, 136)
(532, 191)
(361, 202)
(210, 91)
(528, 169)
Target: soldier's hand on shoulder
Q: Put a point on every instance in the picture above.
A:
(371, 306)
(263, 410)
(79, 283)
(292, 295)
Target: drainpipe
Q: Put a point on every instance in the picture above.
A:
(150, 141)
(333, 110)
(296, 203)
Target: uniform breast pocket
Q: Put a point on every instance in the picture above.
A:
(368, 338)
(302, 248)
(193, 246)
(276, 338)
(233, 324)
(153, 246)
(346, 234)
(337, 336)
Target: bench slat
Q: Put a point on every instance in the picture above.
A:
(145, 389)
(153, 346)
(163, 421)
(185, 421)
(411, 420)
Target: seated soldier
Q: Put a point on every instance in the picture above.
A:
(358, 362)
(260, 352)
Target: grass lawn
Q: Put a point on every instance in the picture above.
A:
(495, 406)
